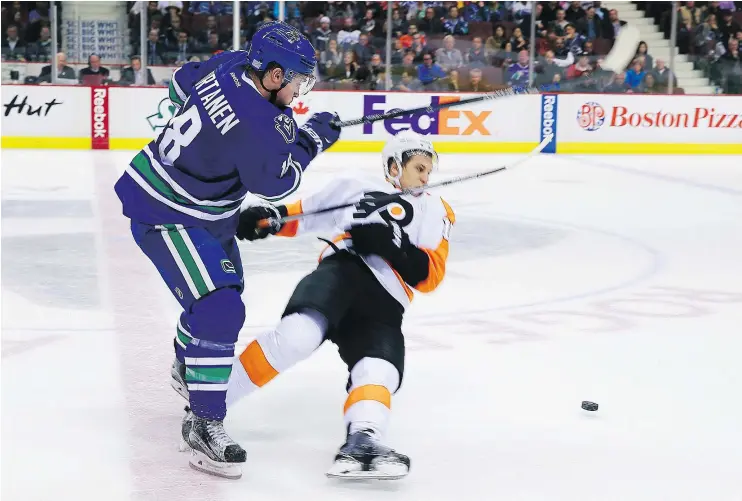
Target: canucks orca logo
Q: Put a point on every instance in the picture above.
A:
(165, 111)
(228, 266)
(395, 210)
(287, 127)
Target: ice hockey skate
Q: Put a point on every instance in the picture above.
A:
(364, 457)
(212, 450)
(177, 381)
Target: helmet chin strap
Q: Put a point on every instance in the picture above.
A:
(272, 93)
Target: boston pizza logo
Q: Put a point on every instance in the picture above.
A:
(591, 116)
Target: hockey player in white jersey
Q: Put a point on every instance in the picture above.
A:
(381, 251)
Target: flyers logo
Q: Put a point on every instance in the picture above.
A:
(396, 210)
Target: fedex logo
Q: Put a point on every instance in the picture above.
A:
(446, 122)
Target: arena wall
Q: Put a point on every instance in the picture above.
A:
(50, 116)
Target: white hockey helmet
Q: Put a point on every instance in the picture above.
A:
(401, 147)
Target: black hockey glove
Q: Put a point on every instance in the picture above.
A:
(247, 228)
(322, 131)
(392, 243)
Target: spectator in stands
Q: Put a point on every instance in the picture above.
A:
(518, 72)
(369, 26)
(363, 50)
(155, 49)
(663, 75)
(618, 85)
(575, 12)
(171, 32)
(455, 24)
(559, 26)
(518, 40)
(548, 14)
(429, 72)
(649, 85)
(590, 26)
(205, 8)
(453, 81)
(707, 32)
(475, 83)
(330, 59)
(635, 75)
(602, 14)
(573, 41)
(587, 49)
(505, 57)
(398, 52)
(94, 69)
(348, 36)
(134, 75)
(408, 83)
(489, 12)
(497, 41)
(350, 67)
(210, 28)
(408, 64)
(578, 69)
(377, 72)
(447, 56)
(63, 71)
(615, 25)
(430, 24)
(729, 27)
(41, 50)
(691, 14)
(322, 35)
(399, 24)
(410, 35)
(641, 53)
(477, 55)
(213, 45)
(419, 47)
(13, 48)
(184, 50)
(38, 17)
(539, 23)
(546, 69)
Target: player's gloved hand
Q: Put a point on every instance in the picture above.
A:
(322, 130)
(383, 240)
(392, 243)
(247, 227)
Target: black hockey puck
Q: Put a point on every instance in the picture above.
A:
(589, 406)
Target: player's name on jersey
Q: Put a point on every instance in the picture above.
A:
(216, 104)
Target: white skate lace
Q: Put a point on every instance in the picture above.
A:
(218, 435)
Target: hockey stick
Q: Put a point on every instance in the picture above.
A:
(616, 61)
(381, 201)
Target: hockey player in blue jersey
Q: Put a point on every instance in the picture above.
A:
(233, 134)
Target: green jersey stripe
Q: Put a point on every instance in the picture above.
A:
(143, 166)
(187, 258)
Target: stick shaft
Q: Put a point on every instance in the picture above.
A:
(264, 223)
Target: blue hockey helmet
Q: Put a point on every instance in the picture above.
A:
(284, 45)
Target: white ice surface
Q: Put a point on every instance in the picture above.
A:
(611, 279)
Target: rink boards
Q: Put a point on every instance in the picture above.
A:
(126, 118)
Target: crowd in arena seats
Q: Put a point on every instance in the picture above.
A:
(438, 46)
(710, 33)
(27, 32)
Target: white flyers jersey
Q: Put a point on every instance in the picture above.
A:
(427, 220)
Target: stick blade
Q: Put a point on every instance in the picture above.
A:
(624, 49)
